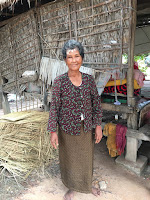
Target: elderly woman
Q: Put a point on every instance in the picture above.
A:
(76, 108)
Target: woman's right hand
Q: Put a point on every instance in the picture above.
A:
(54, 140)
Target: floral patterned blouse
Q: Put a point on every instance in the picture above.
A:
(70, 101)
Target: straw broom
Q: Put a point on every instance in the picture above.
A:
(25, 143)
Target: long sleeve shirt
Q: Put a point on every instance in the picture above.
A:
(70, 101)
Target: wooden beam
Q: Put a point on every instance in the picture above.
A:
(120, 108)
(8, 14)
(142, 5)
(3, 23)
(137, 134)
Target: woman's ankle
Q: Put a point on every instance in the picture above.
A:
(69, 195)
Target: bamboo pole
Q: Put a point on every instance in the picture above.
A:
(25, 60)
(108, 30)
(53, 10)
(37, 103)
(80, 10)
(29, 102)
(3, 60)
(98, 63)
(20, 28)
(14, 65)
(34, 36)
(30, 41)
(16, 102)
(26, 104)
(69, 20)
(21, 104)
(121, 38)
(87, 27)
(40, 32)
(73, 21)
(94, 45)
(98, 50)
(86, 35)
(102, 50)
(24, 51)
(56, 17)
(100, 69)
(29, 65)
(76, 28)
(33, 102)
(96, 6)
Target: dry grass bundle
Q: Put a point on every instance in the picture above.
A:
(25, 143)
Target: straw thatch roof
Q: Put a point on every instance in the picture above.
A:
(6, 3)
(17, 7)
(13, 8)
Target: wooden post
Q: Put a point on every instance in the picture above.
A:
(131, 146)
(5, 104)
(132, 118)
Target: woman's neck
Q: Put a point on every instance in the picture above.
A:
(75, 77)
(74, 73)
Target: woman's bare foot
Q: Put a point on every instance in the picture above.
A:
(69, 195)
(95, 191)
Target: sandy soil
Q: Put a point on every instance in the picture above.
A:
(46, 184)
(121, 184)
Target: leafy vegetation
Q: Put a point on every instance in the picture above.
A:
(140, 59)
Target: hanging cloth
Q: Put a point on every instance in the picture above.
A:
(110, 132)
(120, 138)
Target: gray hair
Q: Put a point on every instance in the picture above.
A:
(72, 44)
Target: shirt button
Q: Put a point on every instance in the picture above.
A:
(81, 96)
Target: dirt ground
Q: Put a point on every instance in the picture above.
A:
(46, 184)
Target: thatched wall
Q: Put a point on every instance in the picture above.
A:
(19, 47)
(103, 27)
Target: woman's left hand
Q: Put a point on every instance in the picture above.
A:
(98, 134)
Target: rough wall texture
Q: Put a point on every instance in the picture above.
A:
(101, 26)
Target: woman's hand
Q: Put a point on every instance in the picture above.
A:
(98, 134)
(54, 140)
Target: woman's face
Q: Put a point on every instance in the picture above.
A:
(73, 60)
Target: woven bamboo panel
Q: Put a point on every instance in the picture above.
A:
(19, 43)
(6, 58)
(101, 26)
